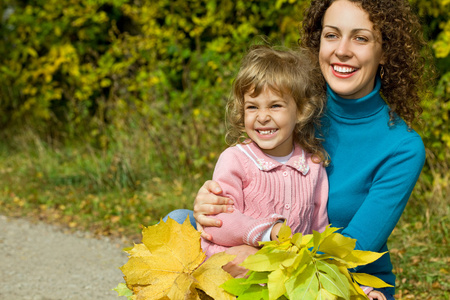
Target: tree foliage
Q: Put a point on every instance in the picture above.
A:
(91, 67)
(86, 69)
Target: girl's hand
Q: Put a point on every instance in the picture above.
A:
(208, 203)
(376, 295)
(241, 252)
(275, 229)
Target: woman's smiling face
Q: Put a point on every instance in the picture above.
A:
(350, 50)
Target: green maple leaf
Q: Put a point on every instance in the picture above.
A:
(123, 290)
(333, 280)
(251, 288)
(300, 266)
(304, 286)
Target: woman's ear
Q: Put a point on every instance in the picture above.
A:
(383, 58)
(381, 71)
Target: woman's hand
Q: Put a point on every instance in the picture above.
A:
(208, 202)
(376, 295)
(241, 252)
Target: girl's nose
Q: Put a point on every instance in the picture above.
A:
(263, 116)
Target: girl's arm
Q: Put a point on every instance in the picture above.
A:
(320, 217)
(237, 228)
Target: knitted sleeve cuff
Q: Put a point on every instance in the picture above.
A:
(255, 232)
(366, 289)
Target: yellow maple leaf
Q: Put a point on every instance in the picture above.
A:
(209, 276)
(168, 264)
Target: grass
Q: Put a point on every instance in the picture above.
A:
(117, 191)
(83, 188)
(419, 243)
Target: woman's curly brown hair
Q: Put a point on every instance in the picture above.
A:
(284, 72)
(402, 42)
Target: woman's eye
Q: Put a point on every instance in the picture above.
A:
(361, 39)
(330, 36)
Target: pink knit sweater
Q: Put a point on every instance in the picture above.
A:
(265, 191)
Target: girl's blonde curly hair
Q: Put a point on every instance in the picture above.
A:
(284, 72)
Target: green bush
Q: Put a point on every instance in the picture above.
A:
(147, 80)
(88, 69)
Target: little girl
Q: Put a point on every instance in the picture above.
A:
(277, 172)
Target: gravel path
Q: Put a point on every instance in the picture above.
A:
(41, 262)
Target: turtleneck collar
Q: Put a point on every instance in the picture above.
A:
(356, 108)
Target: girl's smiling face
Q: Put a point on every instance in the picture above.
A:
(350, 50)
(270, 120)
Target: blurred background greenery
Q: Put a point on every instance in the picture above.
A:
(112, 115)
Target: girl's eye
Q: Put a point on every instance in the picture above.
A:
(250, 107)
(276, 106)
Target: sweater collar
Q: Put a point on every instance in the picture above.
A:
(356, 108)
(265, 163)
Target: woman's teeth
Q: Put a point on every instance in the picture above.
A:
(343, 69)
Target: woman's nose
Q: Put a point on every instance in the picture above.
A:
(343, 49)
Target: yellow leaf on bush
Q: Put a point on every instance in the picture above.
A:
(358, 258)
(168, 265)
(369, 280)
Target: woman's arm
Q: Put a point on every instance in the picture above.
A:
(376, 295)
(208, 202)
(392, 185)
(241, 252)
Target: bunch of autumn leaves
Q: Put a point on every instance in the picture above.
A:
(169, 264)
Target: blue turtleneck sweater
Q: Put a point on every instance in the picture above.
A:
(373, 170)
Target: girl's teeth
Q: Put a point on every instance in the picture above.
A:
(267, 131)
(343, 69)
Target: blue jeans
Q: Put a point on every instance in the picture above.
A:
(180, 216)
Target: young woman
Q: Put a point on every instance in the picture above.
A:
(369, 55)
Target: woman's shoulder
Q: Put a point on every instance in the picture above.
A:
(409, 144)
(399, 143)
(403, 136)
